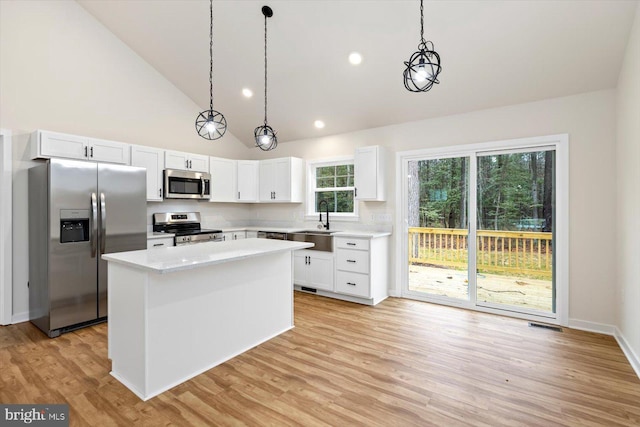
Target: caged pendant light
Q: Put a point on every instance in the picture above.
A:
(211, 124)
(424, 65)
(265, 136)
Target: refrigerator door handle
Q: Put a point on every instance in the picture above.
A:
(94, 225)
(103, 223)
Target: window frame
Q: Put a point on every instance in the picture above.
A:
(312, 165)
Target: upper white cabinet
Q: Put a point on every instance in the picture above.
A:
(282, 180)
(45, 144)
(186, 161)
(152, 159)
(101, 150)
(370, 173)
(224, 179)
(247, 180)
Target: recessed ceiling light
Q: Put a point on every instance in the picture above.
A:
(247, 92)
(319, 124)
(355, 58)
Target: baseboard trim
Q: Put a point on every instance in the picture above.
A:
(600, 328)
(632, 357)
(20, 317)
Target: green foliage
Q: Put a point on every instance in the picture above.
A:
(335, 185)
(509, 194)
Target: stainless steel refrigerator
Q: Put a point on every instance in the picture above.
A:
(77, 212)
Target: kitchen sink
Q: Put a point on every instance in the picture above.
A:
(322, 239)
(324, 232)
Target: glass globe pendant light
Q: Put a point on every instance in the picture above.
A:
(265, 136)
(211, 124)
(422, 69)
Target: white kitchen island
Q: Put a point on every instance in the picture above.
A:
(179, 311)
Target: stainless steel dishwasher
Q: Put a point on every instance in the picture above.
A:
(272, 235)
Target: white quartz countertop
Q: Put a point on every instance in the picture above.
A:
(177, 258)
(156, 235)
(362, 234)
(359, 233)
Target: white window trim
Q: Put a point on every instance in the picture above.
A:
(561, 144)
(310, 215)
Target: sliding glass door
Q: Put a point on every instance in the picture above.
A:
(514, 245)
(438, 233)
(480, 229)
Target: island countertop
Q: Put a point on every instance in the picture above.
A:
(178, 258)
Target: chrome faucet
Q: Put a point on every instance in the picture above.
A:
(326, 226)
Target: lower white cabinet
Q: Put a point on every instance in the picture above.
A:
(162, 242)
(313, 269)
(252, 234)
(362, 267)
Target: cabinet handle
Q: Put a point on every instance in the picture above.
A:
(91, 152)
(158, 244)
(160, 192)
(85, 151)
(355, 191)
(352, 284)
(351, 260)
(186, 164)
(238, 195)
(351, 244)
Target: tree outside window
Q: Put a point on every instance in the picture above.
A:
(334, 183)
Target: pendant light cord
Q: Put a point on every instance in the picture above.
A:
(210, 54)
(422, 40)
(265, 70)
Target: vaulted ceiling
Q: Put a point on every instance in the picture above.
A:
(494, 53)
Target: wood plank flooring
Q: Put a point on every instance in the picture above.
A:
(401, 363)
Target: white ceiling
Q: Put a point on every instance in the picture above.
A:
(494, 53)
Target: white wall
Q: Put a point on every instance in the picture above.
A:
(628, 185)
(61, 70)
(589, 119)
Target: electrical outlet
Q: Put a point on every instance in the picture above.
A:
(385, 217)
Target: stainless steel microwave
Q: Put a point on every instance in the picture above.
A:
(180, 184)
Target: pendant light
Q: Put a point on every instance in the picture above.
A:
(265, 136)
(211, 124)
(424, 65)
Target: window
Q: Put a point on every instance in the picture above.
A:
(332, 181)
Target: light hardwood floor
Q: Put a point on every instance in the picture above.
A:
(400, 363)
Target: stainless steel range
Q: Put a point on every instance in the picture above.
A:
(186, 227)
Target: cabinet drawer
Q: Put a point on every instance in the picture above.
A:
(352, 260)
(159, 243)
(351, 243)
(352, 283)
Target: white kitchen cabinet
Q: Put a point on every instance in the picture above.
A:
(152, 159)
(369, 171)
(224, 179)
(45, 144)
(362, 267)
(186, 161)
(313, 269)
(101, 150)
(282, 180)
(252, 234)
(157, 243)
(247, 180)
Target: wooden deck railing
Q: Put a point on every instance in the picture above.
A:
(503, 252)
